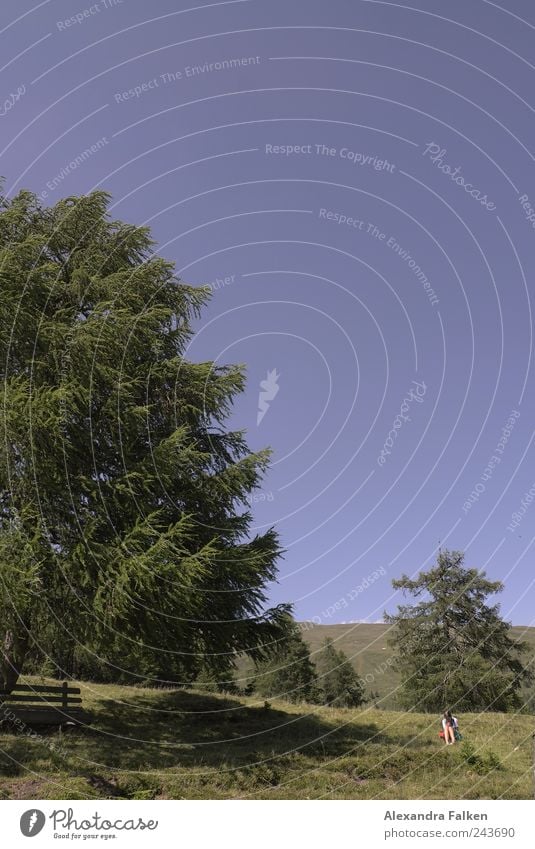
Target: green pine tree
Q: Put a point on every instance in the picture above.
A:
(288, 673)
(124, 528)
(452, 648)
(338, 683)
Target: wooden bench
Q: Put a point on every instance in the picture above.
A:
(43, 705)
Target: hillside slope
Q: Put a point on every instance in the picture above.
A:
(367, 647)
(177, 744)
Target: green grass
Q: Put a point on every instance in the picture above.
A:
(176, 744)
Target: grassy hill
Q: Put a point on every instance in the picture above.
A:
(366, 646)
(178, 744)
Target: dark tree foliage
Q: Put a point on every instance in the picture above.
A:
(124, 529)
(453, 649)
(288, 673)
(338, 683)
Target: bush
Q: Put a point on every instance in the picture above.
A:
(480, 763)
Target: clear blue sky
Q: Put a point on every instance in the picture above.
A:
(355, 179)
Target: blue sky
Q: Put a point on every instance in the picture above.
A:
(356, 182)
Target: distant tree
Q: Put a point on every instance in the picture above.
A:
(124, 526)
(338, 683)
(375, 698)
(208, 682)
(288, 673)
(452, 648)
(528, 692)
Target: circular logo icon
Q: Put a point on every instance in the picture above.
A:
(32, 822)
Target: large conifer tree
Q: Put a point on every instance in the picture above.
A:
(123, 500)
(453, 649)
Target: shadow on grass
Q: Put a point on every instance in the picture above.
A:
(187, 735)
(186, 729)
(13, 754)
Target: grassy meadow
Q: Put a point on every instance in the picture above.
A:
(177, 744)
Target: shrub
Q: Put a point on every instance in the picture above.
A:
(482, 763)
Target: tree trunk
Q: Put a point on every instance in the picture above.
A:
(14, 650)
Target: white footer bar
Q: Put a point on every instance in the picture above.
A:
(268, 824)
